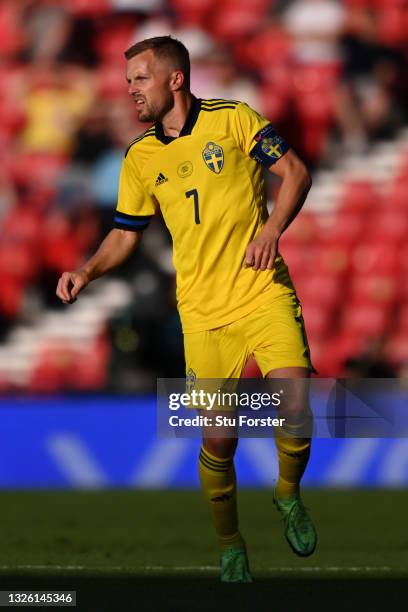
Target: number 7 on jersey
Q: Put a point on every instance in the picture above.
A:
(194, 194)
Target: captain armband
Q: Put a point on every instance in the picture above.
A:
(269, 147)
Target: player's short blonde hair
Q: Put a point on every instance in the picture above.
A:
(168, 48)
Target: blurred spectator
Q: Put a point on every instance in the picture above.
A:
(315, 26)
(47, 28)
(367, 100)
(370, 363)
(105, 170)
(57, 98)
(217, 76)
(142, 6)
(8, 196)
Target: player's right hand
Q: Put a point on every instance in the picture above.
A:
(70, 284)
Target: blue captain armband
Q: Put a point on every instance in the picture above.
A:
(269, 147)
(133, 223)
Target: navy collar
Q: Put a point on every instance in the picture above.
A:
(187, 127)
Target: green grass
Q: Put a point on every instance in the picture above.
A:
(155, 550)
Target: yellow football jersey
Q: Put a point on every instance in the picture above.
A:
(209, 188)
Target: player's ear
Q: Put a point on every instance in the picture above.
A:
(176, 80)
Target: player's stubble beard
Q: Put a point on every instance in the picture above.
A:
(153, 112)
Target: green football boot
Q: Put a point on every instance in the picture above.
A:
(299, 529)
(234, 565)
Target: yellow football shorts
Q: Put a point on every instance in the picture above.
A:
(274, 334)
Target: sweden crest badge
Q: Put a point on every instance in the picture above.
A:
(213, 156)
(271, 146)
(190, 380)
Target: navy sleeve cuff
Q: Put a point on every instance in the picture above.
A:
(131, 223)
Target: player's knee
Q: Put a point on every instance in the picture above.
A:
(220, 447)
(296, 413)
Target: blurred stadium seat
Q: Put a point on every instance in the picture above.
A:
(365, 320)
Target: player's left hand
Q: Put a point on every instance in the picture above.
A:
(261, 252)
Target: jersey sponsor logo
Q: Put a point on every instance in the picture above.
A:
(190, 380)
(161, 179)
(213, 156)
(185, 169)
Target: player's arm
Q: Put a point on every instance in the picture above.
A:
(115, 249)
(296, 182)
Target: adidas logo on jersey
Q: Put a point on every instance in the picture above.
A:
(161, 179)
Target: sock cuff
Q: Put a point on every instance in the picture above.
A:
(217, 464)
(293, 445)
(301, 430)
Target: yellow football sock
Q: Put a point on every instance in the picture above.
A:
(218, 482)
(293, 456)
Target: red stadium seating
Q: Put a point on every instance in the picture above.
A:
(318, 318)
(11, 35)
(54, 370)
(110, 82)
(91, 367)
(12, 117)
(325, 360)
(392, 25)
(400, 323)
(365, 320)
(235, 22)
(359, 197)
(388, 226)
(316, 115)
(274, 104)
(18, 261)
(333, 259)
(374, 289)
(61, 367)
(195, 11)
(299, 258)
(376, 257)
(11, 296)
(338, 349)
(22, 224)
(265, 50)
(36, 168)
(396, 349)
(60, 249)
(112, 41)
(87, 8)
(303, 230)
(325, 291)
(397, 195)
(314, 102)
(343, 228)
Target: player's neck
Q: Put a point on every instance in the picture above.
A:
(175, 119)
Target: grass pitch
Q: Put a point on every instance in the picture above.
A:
(155, 550)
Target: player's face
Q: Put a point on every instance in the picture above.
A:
(149, 82)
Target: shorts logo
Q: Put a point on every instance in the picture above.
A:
(190, 380)
(221, 498)
(271, 147)
(213, 156)
(185, 169)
